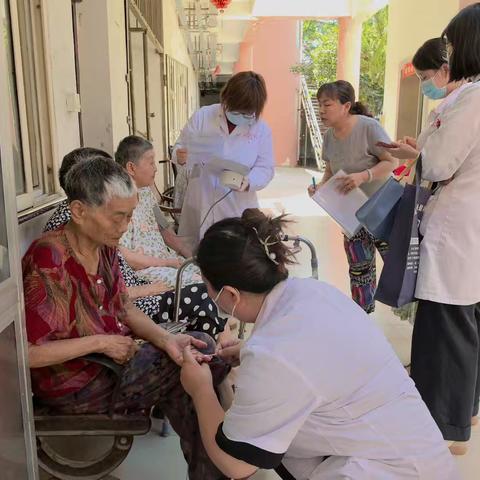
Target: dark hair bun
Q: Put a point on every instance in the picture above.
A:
(358, 108)
(245, 252)
(268, 231)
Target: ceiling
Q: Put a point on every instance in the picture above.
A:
(214, 37)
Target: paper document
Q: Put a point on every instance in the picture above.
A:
(218, 165)
(342, 208)
(201, 149)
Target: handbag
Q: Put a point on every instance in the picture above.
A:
(398, 279)
(377, 215)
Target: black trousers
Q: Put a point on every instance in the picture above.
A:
(446, 364)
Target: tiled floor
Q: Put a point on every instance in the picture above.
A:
(156, 458)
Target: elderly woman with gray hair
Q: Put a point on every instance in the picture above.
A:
(156, 254)
(154, 298)
(76, 304)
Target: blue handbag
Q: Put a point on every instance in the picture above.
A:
(398, 280)
(377, 214)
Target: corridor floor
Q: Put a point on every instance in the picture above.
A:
(156, 458)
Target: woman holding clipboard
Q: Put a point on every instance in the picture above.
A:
(350, 144)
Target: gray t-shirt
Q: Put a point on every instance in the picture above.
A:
(358, 151)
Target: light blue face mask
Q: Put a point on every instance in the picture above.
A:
(221, 312)
(430, 90)
(240, 119)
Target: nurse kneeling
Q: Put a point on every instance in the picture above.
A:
(320, 394)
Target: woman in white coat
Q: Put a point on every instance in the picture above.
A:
(446, 336)
(320, 394)
(231, 130)
(431, 67)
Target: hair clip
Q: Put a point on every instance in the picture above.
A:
(271, 255)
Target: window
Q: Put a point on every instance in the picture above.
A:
(29, 95)
(177, 95)
(145, 62)
(4, 265)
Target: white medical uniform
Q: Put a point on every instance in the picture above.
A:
(449, 254)
(248, 145)
(317, 379)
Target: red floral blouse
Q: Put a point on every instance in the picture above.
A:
(63, 301)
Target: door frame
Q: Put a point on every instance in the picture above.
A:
(11, 290)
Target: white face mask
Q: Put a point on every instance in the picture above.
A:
(240, 119)
(221, 311)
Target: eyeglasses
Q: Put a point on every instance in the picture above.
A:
(247, 116)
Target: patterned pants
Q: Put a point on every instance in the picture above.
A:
(360, 251)
(149, 379)
(197, 310)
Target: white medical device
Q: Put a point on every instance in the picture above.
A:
(230, 173)
(232, 180)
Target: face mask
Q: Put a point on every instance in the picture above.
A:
(240, 119)
(222, 313)
(430, 90)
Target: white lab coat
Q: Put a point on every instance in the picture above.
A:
(250, 146)
(318, 378)
(449, 254)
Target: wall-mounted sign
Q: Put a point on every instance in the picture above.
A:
(408, 70)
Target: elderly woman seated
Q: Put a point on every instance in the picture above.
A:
(76, 304)
(154, 253)
(156, 299)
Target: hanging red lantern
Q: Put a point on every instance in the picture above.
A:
(221, 4)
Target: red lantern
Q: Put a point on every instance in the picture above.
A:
(221, 4)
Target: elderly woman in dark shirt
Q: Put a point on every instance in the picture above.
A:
(76, 304)
(156, 299)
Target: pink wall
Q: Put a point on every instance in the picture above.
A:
(465, 3)
(271, 47)
(344, 24)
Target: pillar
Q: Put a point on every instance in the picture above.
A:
(349, 50)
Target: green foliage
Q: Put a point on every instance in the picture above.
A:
(320, 40)
(372, 66)
(319, 63)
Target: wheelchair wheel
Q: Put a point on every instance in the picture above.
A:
(86, 457)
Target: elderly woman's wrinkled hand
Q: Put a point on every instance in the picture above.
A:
(174, 262)
(195, 376)
(120, 349)
(157, 288)
(175, 346)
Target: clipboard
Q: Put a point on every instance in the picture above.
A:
(341, 207)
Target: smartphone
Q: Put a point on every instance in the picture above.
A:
(385, 145)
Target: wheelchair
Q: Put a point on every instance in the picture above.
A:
(65, 460)
(89, 447)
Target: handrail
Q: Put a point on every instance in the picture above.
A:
(297, 239)
(312, 122)
(178, 286)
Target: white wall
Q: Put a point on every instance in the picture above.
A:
(118, 69)
(411, 23)
(103, 66)
(60, 64)
(175, 46)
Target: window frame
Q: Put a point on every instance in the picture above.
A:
(36, 125)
